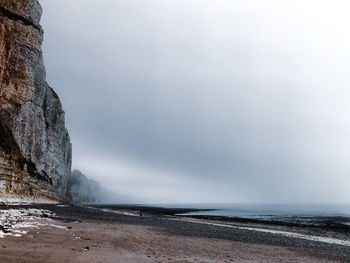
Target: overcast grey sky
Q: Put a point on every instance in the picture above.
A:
(203, 100)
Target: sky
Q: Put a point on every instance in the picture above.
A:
(205, 101)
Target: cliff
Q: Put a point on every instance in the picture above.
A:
(35, 149)
(80, 189)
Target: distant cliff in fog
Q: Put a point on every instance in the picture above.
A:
(81, 189)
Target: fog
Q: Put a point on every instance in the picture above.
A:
(205, 101)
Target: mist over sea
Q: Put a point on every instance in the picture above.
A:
(268, 211)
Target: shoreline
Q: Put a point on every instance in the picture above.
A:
(320, 226)
(178, 228)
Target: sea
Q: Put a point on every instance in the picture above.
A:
(300, 213)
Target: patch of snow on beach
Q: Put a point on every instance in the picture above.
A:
(14, 221)
(10, 200)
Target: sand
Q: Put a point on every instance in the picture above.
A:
(104, 242)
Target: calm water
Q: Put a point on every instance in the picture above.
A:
(268, 211)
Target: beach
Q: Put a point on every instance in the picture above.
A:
(58, 233)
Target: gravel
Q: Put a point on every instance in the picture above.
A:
(177, 227)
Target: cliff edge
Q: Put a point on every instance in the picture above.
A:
(35, 148)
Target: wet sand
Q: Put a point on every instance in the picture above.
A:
(78, 234)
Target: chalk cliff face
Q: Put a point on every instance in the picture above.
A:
(35, 149)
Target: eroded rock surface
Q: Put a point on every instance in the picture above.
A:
(35, 149)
